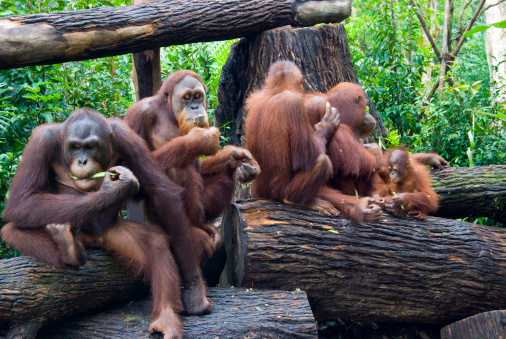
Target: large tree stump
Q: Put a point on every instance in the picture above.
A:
(394, 270)
(471, 192)
(237, 313)
(483, 325)
(321, 52)
(86, 34)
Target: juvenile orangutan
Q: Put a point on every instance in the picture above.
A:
(408, 189)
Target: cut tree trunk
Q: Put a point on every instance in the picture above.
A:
(395, 270)
(237, 313)
(33, 293)
(483, 325)
(86, 34)
(471, 192)
(321, 52)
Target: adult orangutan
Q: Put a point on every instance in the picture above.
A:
(408, 190)
(354, 166)
(295, 168)
(357, 169)
(57, 204)
(350, 100)
(175, 125)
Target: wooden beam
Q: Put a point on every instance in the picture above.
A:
(49, 38)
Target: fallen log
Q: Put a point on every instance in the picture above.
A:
(34, 293)
(471, 192)
(394, 270)
(237, 313)
(483, 325)
(322, 54)
(49, 38)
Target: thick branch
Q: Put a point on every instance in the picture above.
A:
(477, 13)
(397, 269)
(105, 31)
(426, 30)
(462, 14)
(446, 41)
(33, 292)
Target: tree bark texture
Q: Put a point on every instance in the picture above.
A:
(237, 313)
(32, 293)
(484, 325)
(471, 192)
(321, 52)
(58, 37)
(395, 270)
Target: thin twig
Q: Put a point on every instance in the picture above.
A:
(484, 9)
(462, 14)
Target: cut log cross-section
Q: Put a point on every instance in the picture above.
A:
(397, 269)
(58, 37)
(484, 325)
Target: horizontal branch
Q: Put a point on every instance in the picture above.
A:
(85, 34)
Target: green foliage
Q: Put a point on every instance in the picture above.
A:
(447, 121)
(460, 122)
(482, 28)
(34, 95)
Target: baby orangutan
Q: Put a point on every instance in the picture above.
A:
(408, 189)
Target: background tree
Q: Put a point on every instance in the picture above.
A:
(460, 123)
(495, 42)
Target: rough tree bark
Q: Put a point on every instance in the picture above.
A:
(65, 36)
(237, 313)
(483, 325)
(395, 270)
(321, 52)
(32, 293)
(471, 192)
